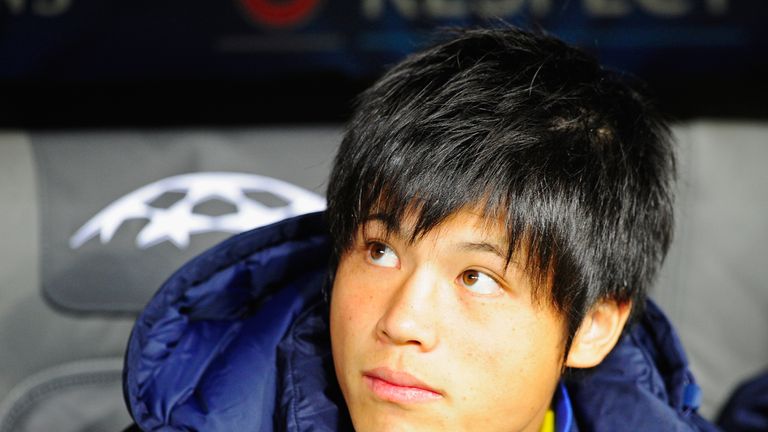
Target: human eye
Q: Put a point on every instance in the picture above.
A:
(478, 282)
(381, 255)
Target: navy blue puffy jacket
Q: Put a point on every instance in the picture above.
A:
(237, 340)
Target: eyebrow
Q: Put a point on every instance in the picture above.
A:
(483, 247)
(390, 223)
(393, 226)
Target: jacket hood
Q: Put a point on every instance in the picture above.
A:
(202, 355)
(237, 340)
(644, 382)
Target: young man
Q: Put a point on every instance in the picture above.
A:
(497, 211)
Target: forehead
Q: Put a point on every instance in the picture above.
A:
(464, 223)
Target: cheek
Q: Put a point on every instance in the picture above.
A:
(507, 365)
(351, 310)
(350, 306)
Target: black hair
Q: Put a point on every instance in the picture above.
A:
(573, 157)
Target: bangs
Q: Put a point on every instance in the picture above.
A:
(426, 185)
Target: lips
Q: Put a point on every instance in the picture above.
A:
(400, 387)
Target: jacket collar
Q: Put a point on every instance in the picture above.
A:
(643, 384)
(561, 405)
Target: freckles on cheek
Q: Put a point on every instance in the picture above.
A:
(492, 346)
(352, 305)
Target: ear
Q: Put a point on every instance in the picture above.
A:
(598, 333)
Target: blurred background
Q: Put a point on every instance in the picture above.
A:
(134, 135)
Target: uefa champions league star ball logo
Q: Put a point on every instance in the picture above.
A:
(179, 221)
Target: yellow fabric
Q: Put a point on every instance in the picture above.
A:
(549, 422)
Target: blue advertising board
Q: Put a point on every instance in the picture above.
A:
(690, 46)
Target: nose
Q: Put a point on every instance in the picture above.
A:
(409, 318)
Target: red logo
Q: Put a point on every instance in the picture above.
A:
(279, 13)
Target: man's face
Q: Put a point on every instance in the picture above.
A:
(440, 334)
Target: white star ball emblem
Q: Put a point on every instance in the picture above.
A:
(178, 222)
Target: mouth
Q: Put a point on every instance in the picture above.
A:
(400, 387)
